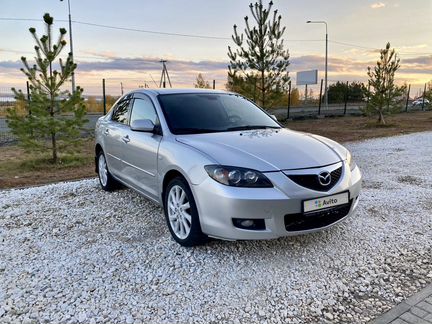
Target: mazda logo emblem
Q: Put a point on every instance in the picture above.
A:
(324, 178)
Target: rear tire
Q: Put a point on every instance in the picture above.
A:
(181, 214)
(106, 180)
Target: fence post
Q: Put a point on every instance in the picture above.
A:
(289, 100)
(346, 98)
(28, 97)
(424, 96)
(214, 84)
(319, 101)
(104, 96)
(368, 96)
(408, 95)
(255, 87)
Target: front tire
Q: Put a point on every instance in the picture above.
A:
(106, 180)
(181, 214)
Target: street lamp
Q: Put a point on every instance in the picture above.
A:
(71, 46)
(326, 58)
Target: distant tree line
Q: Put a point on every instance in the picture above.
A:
(351, 92)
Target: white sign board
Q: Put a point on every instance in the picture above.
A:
(307, 77)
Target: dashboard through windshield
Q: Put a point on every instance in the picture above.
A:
(194, 113)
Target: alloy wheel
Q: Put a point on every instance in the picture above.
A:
(103, 170)
(179, 212)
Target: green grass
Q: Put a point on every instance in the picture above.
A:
(38, 163)
(376, 125)
(66, 161)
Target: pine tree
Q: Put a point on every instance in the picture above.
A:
(295, 97)
(54, 117)
(201, 83)
(384, 95)
(239, 84)
(260, 56)
(428, 94)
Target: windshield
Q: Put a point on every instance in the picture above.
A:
(194, 113)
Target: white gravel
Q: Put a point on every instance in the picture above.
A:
(71, 253)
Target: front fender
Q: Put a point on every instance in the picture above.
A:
(184, 159)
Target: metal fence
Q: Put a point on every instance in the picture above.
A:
(7, 100)
(97, 104)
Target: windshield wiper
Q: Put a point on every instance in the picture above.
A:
(249, 127)
(196, 130)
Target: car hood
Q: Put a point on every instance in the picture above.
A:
(265, 150)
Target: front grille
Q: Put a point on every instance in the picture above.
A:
(310, 181)
(315, 220)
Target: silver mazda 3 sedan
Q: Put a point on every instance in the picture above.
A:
(221, 167)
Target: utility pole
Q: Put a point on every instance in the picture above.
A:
(153, 80)
(164, 75)
(71, 45)
(326, 59)
(121, 88)
(289, 100)
(104, 96)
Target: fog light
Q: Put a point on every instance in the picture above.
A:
(249, 224)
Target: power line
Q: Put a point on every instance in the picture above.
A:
(202, 36)
(26, 19)
(352, 45)
(123, 28)
(147, 31)
(28, 52)
(377, 49)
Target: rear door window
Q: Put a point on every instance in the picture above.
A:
(121, 112)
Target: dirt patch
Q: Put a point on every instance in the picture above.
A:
(410, 180)
(349, 129)
(342, 129)
(18, 169)
(372, 184)
(427, 204)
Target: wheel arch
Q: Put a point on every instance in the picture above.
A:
(171, 174)
(98, 149)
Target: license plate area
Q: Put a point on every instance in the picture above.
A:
(324, 202)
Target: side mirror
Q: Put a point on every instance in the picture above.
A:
(274, 117)
(142, 125)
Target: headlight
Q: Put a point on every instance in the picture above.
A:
(238, 177)
(350, 161)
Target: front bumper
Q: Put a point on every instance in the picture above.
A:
(218, 204)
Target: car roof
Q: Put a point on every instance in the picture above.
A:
(177, 91)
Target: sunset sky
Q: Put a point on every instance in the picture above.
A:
(357, 28)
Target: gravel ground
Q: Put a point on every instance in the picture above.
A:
(71, 253)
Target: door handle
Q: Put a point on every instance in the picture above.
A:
(126, 139)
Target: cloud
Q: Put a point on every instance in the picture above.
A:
(11, 64)
(149, 64)
(133, 72)
(378, 5)
(424, 61)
